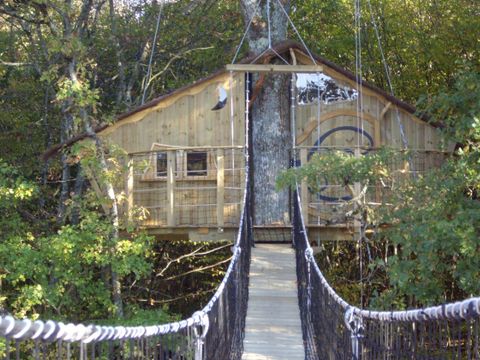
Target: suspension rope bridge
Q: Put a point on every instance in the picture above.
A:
(330, 327)
(285, 318)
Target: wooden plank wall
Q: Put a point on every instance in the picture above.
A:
(185, 119)
(335, 128)
(378, 112)
(384, 130)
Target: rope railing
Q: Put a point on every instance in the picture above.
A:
(215, 332)
(334, 329)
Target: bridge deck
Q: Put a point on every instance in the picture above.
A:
(273, 329)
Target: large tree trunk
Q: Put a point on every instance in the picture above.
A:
(270, 117)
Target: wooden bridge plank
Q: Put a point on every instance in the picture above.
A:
(273, 328)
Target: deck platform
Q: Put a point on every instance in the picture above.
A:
(273, 329)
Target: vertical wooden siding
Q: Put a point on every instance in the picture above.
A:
(185, 119)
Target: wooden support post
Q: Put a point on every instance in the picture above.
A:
(304, 187)
(384, 110)
(378, 125)
(130, 188)
(171, 188)
(220, 188)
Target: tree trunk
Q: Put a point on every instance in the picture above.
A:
(270, 117)
(66, 133)
(77, 194)
(48, 144)
(114, 214)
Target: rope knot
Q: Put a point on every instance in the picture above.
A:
(354, 323)
(200, 329)
(308, 253)
(202, 323)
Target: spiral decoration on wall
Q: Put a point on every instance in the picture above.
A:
(322, 139)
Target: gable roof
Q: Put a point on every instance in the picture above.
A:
(279, 48)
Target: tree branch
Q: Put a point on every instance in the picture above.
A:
(18, 64)
(200, 269)
(192, 254)
(182, 297)
(172, 59)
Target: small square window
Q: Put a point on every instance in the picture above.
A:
(161, 164)
(196, 163)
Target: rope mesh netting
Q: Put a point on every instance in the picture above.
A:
(215, 332)
(333, 329)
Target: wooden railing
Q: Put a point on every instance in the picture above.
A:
(187, 186)
(328, 207)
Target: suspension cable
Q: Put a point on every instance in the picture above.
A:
(232, 122)
(247, 29)
(358, 75)
(269, 35)
(150, 61)
(319, 131)
(297, 32)
(269, 25)
(388, 75)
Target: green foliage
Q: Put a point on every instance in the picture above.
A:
(13, 187)
(437, 221)
(14, 191)
(136, 316)
(63, 273)
(436, 227)
(459, 110)
(424, 56)
(338, 167)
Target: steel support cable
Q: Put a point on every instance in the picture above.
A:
(257, 6)
(388, 75)
(232, 119)
(269, 36)
(150, 61)
(297, 32)
(360, 122)
(269, 25)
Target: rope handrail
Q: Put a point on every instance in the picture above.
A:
(193, 330)
(52, 331)
(459, 310)
(333, 328)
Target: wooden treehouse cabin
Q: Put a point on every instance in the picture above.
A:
(186, 149)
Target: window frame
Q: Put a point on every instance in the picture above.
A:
(182, 173)
(209, 175)
(156, 175)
